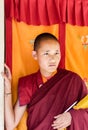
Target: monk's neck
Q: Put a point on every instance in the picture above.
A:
(48, 75)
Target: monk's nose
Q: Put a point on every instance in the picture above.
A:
(52, 57)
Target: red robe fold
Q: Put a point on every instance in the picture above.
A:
(52, 98)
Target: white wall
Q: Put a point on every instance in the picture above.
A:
(1, 64)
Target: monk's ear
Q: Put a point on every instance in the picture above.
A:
(34, 54)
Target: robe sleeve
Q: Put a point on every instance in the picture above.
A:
(79, 119)
(24, 90)
(80, 113)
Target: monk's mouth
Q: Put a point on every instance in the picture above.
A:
(52, 65)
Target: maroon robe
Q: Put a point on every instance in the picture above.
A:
(52, 98)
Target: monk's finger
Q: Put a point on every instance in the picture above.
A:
(4, 76)
(7, 71)
(57, 116)
(58, 126)
(7, 68)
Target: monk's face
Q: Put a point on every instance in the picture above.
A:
(48, 56)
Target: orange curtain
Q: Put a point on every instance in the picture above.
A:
(23, 36)
(76, 52)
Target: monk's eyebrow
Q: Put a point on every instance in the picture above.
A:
(46, 50)
(57, 50)
(49, 50)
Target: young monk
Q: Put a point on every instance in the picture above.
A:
(46, 94)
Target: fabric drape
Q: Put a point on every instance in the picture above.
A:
(47, 12)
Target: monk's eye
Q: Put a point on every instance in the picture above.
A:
(46, 53)
(57, 53)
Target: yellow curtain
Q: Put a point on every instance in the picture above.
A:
(76, 55)
(77, 50)
(23, 36)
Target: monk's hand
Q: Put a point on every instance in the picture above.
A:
(62, 121)
(7, 79)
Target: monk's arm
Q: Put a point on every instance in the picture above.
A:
(62, 121)
(73, 118)
(79, 119)
(12, 115)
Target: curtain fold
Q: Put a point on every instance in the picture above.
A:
(77, 12)
(47, 12)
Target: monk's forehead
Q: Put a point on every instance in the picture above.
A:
(49, 42)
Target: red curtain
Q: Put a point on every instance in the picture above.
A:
(47, 12)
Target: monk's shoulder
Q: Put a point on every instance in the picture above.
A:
(71, 74)
(27, 79)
